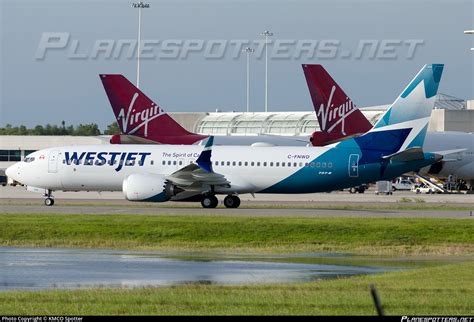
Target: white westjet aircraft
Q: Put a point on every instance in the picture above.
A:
(159, 173)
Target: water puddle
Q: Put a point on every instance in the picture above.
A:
(46, 268)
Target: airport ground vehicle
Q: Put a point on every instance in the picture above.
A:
(422, 188)
(402, 184)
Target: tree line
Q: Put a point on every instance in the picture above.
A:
(78, 130)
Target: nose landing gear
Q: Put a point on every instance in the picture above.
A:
(49, 201)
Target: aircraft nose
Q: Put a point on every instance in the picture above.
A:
(12, 171)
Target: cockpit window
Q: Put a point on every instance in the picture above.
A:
(29, 159)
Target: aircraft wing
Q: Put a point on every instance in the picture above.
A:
(199, 174)
(193, 175)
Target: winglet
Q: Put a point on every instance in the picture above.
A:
(204, 160)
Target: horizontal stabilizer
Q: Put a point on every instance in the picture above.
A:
(410, 154)
(446, 152)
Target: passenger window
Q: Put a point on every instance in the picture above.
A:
(271, 164)
(252, 164)
(246, 163)
(306, 164)
(311, 164)
(169, 162)
(233, 163)
(283, 164)
(329, 164)
(277, 164)
(258, 164)
(289, 164)
(180, 162)
(240, 163)
(163, 162)
(174, 162)
(228, 163)
(152, 162)
(264, 164)
(216, 163)
(301, 164)
(295, 164)
(222, 163)
(318, 164)
(324, 165)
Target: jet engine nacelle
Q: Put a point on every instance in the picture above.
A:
(148, 187)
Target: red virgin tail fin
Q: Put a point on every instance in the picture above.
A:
(336, 113)
(139, 116)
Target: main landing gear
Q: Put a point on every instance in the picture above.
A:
(211, 201)
(232, 201)
(49, 201)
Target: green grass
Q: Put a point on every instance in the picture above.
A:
(403, 203)
(223, 233)
(442, 290)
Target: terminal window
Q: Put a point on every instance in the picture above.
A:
(10, 155)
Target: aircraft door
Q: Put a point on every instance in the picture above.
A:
(53, 161)
(354, 165)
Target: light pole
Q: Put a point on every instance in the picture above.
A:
(469, 32)
(266, 34)
(139, 5)
(248, 51)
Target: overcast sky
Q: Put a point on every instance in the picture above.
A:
(39, 91)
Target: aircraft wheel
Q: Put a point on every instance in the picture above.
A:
(232, 201)
(209, 202)
(49, 202)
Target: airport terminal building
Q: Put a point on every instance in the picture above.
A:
(450, 114)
